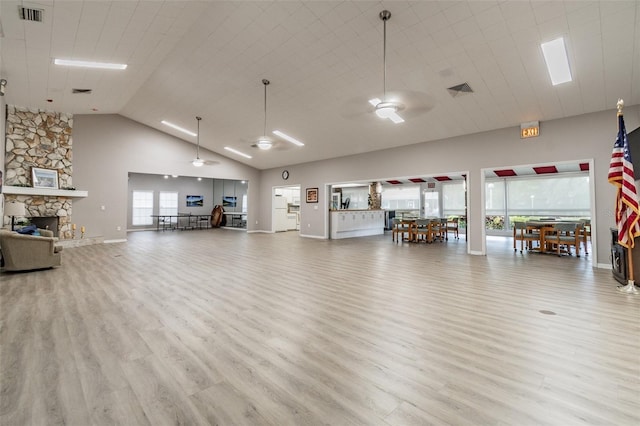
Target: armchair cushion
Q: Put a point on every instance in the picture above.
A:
(26, 252)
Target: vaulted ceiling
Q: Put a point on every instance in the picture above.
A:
(324, 61)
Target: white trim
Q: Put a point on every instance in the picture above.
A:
(123, 240)
(476, 253)
(318, 237)
(603, 266)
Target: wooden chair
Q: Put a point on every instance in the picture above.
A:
(400, 228)
(522, 233)
(566, 235)
(452, 226)
(585, 233)
(422, 230)
(437, 229)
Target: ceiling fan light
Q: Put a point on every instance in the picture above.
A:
(264, 144)
(198, 162)
(386, 109)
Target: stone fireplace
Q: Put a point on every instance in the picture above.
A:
(56, 209)
(41, 139)
(50, 223)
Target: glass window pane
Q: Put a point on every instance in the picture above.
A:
(431, 205)
(494, 196)
(168, 204)
(558, 196)
(406, 198)
(453, 199)
(142, 208)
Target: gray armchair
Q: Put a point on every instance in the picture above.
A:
(26, 252)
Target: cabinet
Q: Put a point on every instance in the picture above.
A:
(356, 223)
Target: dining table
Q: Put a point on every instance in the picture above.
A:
(544, 228)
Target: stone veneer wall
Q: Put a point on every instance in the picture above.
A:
(375, 198)
(42, 139)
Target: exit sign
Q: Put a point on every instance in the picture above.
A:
(529, 130)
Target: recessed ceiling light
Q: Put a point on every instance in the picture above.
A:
(88, 64)
(288, 138)
(174, 126)
(237, 152)
(555, 55)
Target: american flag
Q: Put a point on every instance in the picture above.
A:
(621, 175)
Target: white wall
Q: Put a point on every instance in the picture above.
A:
(586, 137)
(106, 148)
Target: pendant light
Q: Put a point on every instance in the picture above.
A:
(263, 142)
(198, 162)
(384, 108)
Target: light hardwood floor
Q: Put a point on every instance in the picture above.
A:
(227, 328)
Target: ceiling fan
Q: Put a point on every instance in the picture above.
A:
(199, 162)
(397, 105)
(264, 142)
(385, 108)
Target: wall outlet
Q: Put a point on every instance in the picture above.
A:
(256, 222)
(103, 208)
(118, 228)
(308, 225)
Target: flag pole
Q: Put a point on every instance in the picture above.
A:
(630, 288)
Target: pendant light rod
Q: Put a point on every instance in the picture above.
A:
(198, 139)
(266, 83)
(385, 15)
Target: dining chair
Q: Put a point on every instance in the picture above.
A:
(585, 233)
(522, 233)
(437, 230)
(422, 230)
(400, 228)
(566, 234)
(452, 226)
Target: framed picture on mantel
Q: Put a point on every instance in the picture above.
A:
(44, 178)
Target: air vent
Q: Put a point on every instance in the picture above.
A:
(28, 14)
(460, 89)
(87, 91)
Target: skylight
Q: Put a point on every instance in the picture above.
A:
(555, 55)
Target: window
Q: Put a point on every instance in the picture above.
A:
(142, 208)
(431, 204)
(406, 198)
(168, 204)
(556, 196)
(517, 199)
(453, 199)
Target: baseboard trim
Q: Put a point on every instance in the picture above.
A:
(318, 237)
(603, 266)
(123, 240)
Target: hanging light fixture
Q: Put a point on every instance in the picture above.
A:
(384, 108)
(198, 162)
(263, 142)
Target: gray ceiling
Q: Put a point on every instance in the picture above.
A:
(324, 61)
